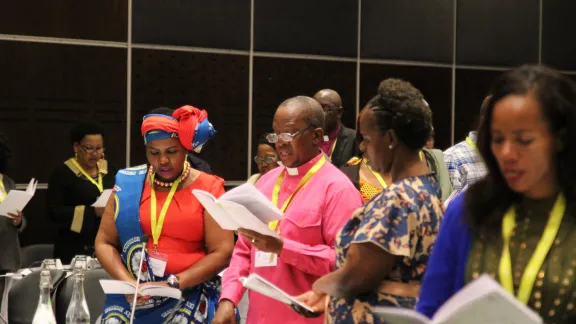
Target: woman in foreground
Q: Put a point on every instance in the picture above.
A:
(186, 248)
(524, 204)
(381, 254)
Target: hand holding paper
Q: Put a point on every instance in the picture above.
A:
(264, 243)
(16, 218)
(149, 289)
(16, 200)
(258, 284)
(242, 207)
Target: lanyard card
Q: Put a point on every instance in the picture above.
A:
(265, 259)
(158, 263)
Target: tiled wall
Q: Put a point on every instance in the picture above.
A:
(114, 60)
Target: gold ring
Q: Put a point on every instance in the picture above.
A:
(253, 240)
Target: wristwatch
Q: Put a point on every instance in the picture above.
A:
(173, 281)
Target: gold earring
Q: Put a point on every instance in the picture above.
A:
(76, 155)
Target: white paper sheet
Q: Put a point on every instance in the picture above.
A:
(16, 200)
(125, 288)
(103, 199)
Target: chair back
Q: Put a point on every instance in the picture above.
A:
(36, 254)
(95, 296)
(24, 295)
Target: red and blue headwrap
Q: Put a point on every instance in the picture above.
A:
(188, 123)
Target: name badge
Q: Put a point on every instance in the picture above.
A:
(265, 259)
(326, 138)
(158, 263)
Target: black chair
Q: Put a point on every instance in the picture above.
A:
(35, 254)
(24, 295)
(95, 297)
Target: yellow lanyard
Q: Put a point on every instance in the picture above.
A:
(333, 147)
(3, 192)
(376, 174)
(276, 193)
(471, 143)
(97, 184)
(155, 223)
(537, 259)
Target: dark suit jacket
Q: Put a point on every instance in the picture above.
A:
(68, 202)
(9, 241)
(346, 147)
(199, 164)
(353, 173)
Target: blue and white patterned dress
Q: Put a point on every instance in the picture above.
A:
(403, 220)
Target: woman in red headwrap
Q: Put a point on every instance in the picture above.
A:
(153, 205)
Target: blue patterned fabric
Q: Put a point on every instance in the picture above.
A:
(158, 134)
(403, 220)
(203, 133)
(197, 305)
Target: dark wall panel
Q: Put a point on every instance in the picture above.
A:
(216, 83)
(276, 80)
(45, 89)
(39, 228)
(434, 83)
(497, 32)
(558, 30)
(100, 20)
(214, 23)
(393, 29)
(327, 27)
(472, 86)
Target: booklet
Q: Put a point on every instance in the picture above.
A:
(481, 301)
(258, 284)
(111, 287)
(242, 207)
(16, 200)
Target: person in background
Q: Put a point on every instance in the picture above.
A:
(11, 226)
(464, 163)
(186, 248)
(430, 142)
(338, 141)
(317, 200)
(73, 187)
(383, 249)
(266, 158)
(358, 170)
(524, 204)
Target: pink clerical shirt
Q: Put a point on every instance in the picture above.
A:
(327, 146)
(309, 228)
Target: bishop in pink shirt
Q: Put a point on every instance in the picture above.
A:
(315, 215)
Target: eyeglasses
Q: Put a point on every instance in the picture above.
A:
(90, 149)
(264, 160)
(285, 137)
(328, 110)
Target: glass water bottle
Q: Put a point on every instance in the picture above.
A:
(44, 312)
(77, 312)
